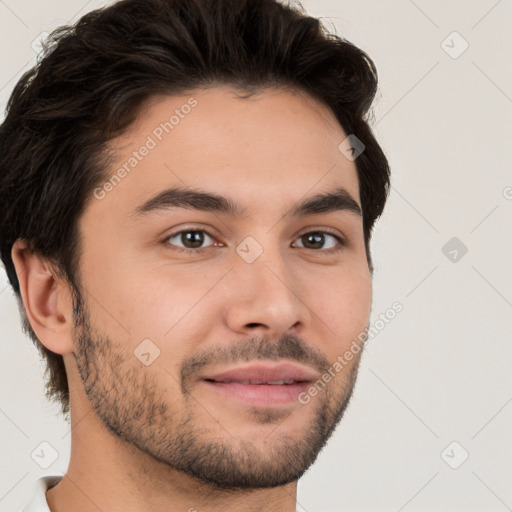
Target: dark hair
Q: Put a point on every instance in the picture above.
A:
(94, 78)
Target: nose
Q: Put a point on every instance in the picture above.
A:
(264, 297)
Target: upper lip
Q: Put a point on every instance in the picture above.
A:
(264, 372)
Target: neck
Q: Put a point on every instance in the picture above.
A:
(106, 473)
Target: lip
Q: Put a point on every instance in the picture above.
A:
(234, 384)
(264, 373)
(260, 395)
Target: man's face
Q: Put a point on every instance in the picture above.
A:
(263, 288)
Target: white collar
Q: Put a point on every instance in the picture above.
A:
(38, 501)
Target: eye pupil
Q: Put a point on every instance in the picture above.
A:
(194, 237)
(318, 238)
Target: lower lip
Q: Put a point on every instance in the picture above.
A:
(260, 395)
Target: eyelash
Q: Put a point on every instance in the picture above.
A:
(340, 241)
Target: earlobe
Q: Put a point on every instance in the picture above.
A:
(46, 299)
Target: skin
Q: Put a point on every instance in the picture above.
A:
(156, 438)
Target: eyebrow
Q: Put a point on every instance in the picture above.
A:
(192, 199)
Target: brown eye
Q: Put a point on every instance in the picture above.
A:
(192, 239)
(315, 240)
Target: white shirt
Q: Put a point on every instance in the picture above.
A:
(38, 501)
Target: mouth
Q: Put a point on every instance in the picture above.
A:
(262, 385)
(269, 383)
(266, 395)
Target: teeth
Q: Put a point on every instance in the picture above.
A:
(273, 382)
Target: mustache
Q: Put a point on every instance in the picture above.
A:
(288, 347)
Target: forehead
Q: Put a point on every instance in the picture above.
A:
(272, 147)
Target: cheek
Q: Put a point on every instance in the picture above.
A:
(164, 303)
(344, 305)
(128, 301)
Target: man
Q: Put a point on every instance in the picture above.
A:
(189, 190)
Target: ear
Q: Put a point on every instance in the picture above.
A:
(47, 300)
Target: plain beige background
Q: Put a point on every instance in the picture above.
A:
(435, 383)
